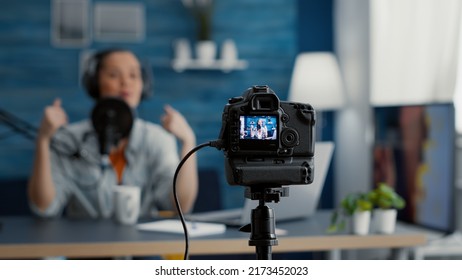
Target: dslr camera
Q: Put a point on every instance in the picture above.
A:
(267, 142)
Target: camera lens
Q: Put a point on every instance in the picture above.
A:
(289, 137)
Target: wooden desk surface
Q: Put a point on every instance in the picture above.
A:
(28, 237)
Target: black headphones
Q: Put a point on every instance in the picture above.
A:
(93, 65)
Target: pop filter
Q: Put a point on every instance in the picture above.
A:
(112, 120)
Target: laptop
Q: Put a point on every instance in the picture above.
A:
(301, 203)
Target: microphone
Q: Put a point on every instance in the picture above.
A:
(112, 120)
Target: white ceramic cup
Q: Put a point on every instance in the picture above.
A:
(127, 204)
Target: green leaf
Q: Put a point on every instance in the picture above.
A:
(385, 197)
(364, 205)
(332, 228)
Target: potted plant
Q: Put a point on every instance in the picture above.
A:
(202, 10)
(355, 207)
(387, 203)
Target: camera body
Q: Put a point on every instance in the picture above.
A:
(267, 142)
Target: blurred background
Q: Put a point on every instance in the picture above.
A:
(36, 67)
(389, 55)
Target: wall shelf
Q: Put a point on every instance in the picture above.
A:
(205, 58)
(219, 64)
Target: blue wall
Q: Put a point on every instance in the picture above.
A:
(33, 72)
(315, 33)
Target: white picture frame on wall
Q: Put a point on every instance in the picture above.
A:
(70, 23)
(119, 21)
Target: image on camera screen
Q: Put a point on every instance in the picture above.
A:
(258, 127)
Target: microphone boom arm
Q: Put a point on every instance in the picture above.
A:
(24, 128)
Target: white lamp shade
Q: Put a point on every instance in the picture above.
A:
(316, 80)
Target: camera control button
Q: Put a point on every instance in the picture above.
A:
(235, 99)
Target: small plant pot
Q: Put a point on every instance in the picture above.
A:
(385, 220)
(206, 52)
(360, 222)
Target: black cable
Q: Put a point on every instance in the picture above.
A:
(29, 131)
(175, 194)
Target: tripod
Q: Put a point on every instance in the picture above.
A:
(262, 226)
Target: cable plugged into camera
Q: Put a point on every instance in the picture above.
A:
(267, 144)
(219, 144)
(267, 141)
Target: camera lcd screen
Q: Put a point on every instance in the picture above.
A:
(258, 127)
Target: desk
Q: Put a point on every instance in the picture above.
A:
(29, 237)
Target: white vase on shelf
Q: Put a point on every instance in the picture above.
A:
(206, 52)
(182, 50)
(229, 54)
(182, 54)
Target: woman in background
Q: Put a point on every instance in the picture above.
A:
(147, 158)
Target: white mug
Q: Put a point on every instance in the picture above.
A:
(127, 204)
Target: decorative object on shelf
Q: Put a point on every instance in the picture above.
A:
(205, 49)
(387, 203)
(182, 54)
(206, 52)
(183, 58)
(202, 11)
(229, 55)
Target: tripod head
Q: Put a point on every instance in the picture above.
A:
(262, 226)
(267, 194)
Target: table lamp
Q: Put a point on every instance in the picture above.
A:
(316, 80)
